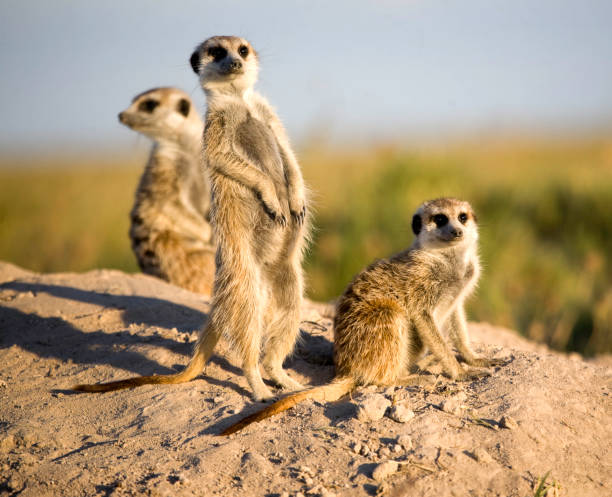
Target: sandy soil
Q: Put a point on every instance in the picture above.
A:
(61, 329)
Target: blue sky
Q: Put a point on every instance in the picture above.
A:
(345, 70)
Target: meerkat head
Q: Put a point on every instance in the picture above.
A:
(444, 223)
(163, 113)
(228, 64)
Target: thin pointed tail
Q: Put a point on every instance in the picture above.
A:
(325, 393)
(202, 353)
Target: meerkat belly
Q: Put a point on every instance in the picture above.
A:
(444, 309)
(259, 145)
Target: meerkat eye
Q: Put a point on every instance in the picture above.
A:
(183, 107)
(243, 51)
(217, 53)
(440, 220)
(148, 105)
(463, 217)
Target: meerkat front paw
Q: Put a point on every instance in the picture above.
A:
(272, 208)
(297, 206)
(483, 362)
(472, 373)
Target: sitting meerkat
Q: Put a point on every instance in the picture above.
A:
(170, 227)
(260, 222)
(397, 307)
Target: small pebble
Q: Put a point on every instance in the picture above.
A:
(384, 470)
(482, 456)
(372, 407)
(405, 441)
(454, 404)
(7, 443)
(305, 469)
(508, 423)
(384, 452)
(401, 413)
(316, 490)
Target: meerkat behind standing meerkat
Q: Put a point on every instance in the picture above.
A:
(398, 307)
(259, 219)
(170, 227)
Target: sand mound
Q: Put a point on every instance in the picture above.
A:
(542, 413)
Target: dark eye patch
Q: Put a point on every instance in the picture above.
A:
(148, 105)
(194, 60)
(217, 53)
(440, 220)
(463, 217)
(416, 224)
(243, 51)
(183, 107)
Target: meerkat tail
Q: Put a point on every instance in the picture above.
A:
(324, 393)
(193, 369)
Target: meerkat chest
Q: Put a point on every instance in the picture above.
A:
(257, 141)
(461, 283)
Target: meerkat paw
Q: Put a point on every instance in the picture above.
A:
(299, 216)
(285, 381)
(292, 385)
(272, 208)
(263, 394)
(297, 203)
(472, 373)
(483, 362)
(297, 208)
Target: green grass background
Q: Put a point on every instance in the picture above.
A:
(544, 207)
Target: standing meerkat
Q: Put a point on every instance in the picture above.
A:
(170, 226)
(259, 219)
(397, 307)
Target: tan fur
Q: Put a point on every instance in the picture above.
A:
(170, 222)
(399, 306)
(260, 223)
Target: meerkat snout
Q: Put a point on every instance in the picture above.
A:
(234, 66)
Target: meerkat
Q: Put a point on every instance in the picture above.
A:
(397, 307)
(170, 226)
(260, 222)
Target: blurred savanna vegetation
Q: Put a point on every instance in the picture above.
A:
(544, 208)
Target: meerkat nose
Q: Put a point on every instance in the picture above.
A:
(457, 233)
(235, 65)
(121, 116)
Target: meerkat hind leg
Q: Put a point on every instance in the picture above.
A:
(283, 326)
(251, 349)
(242, 321)
(279, 345)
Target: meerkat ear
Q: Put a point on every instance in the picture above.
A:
(194, 60)
(183, 107)
(416, 224)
